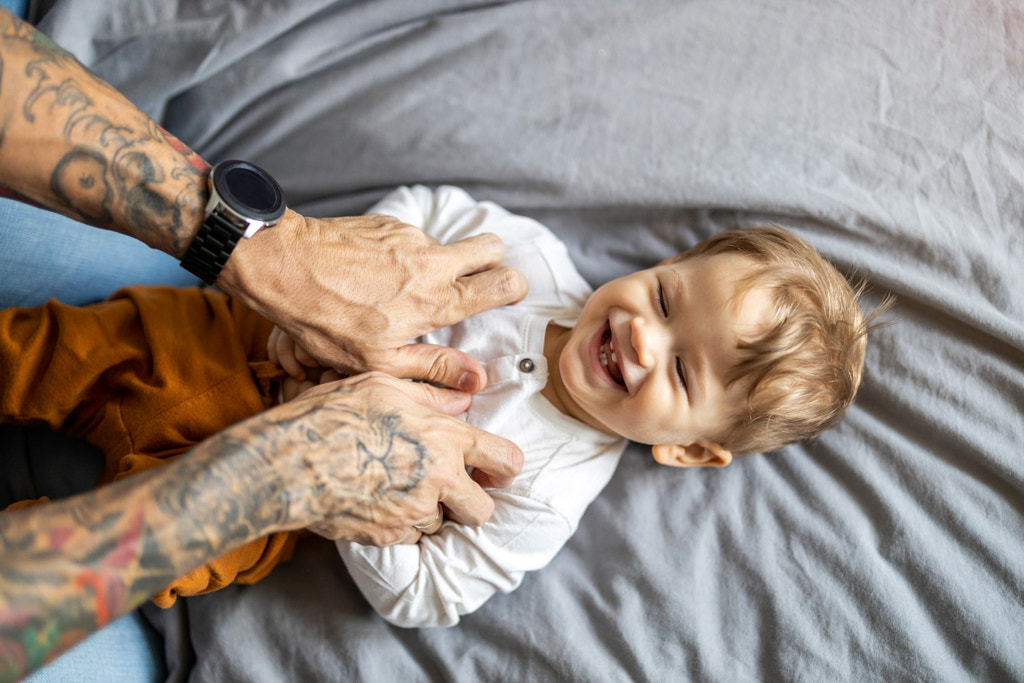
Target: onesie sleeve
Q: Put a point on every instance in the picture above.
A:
(457, 569)
(449, 214)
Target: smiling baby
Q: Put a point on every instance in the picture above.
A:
(746, 342)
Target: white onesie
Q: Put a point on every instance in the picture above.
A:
(567, 463)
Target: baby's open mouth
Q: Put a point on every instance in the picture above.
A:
(609, 359)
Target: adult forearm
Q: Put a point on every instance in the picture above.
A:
(73, 144)
(366, 459)
(71, 567)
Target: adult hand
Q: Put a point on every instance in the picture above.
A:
(369, 457)
(353, 292)
(365, 458)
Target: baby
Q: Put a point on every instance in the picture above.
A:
(744, 343)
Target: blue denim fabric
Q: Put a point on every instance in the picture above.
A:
(127, 651)
(17, 7)
(43, 255)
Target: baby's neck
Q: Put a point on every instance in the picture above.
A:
(554, 391)
(555, 338)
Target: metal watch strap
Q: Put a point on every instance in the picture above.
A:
(211, 248)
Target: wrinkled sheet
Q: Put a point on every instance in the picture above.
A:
(886, 132)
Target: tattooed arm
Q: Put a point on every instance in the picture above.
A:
(332, 460)
(365, 463)
(351, 291)
(71, 143)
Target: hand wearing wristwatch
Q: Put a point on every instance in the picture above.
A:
(244, 199)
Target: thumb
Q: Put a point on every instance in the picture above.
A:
(442, 400)
(440, 365)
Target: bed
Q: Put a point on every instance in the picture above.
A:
(889, 133)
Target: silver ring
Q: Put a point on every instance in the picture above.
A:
(424, 527)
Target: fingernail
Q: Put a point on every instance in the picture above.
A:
(469, 382)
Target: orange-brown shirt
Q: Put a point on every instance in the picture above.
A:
(145, 376)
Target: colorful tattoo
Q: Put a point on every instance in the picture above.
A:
(335, 462)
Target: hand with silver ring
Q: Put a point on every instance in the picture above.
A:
(433, 525)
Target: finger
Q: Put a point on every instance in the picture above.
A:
(484, 479)
(329, 375)
(442, 400)
(467, 503)
(477, 253)
(272, 344)
(286, 357)
(432, 525)
(495, 460)
(488, 289)
(304, 386)
(427, 528)
(498, 461)
(438, 364)
(412, 538)
(304, 358)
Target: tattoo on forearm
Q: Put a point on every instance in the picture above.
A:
(80, 182)
(126, 174)
(96, 556)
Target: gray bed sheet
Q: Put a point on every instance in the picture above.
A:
(886, 132)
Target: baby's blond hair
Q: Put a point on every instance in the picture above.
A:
(804, 370)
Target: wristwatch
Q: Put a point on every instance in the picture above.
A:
(244, 199)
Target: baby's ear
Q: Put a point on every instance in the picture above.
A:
(701, 453)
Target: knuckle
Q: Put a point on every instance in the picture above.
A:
(512, 284)
(443, 475)
(486, 509)
(386, 537)
(376, 377)
(371, 382)
(381, 220)
(489, 245)
(440, 366)
(515, 459)
(491, 240)
(416, 232)
(430, 260)
(482, 513)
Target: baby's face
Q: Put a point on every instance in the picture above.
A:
(649, 357)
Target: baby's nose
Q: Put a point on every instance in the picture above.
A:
(641, 338)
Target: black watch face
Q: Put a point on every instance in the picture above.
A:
(249, 190)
